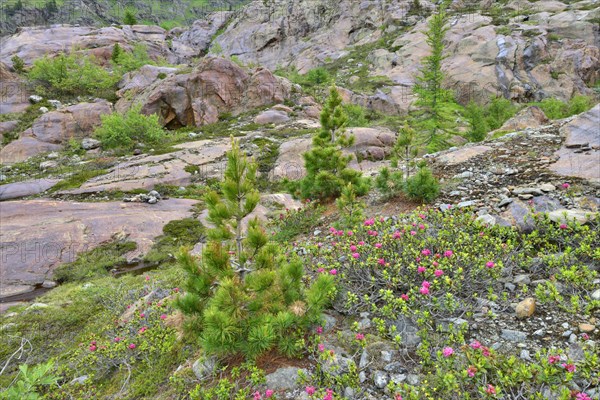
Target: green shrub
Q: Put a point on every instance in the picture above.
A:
(317, 76)
(350, 208)
(479, 127)
(579, 104)
(126, 61)
(423, 186)
(498, 112)
(72, 75)
(389, 183)
(558, 109)
(30, 381)
(18, 64)
(356, 115)
(126, 130)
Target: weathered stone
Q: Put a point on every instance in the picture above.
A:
(204, 367)
(525, 308)
(564, 215)
(513, 336)
(461, 155)
(271, 117)
(27, 188)
(586, 328)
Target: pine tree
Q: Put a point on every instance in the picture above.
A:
(436, 104)
(116, 53)
(326, 166)
(392, 182)
(477, 122)
(249, 300)
(129, 18)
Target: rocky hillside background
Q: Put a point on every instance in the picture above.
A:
(112, 132)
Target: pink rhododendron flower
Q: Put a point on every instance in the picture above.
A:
(319, 329)
(438, 273)
(381, 261)
(332, 229)
(418, 259)
(93, 347)
(319, 245)
(413, 233)
(421, 226)
(490, 264)
(257, 395)
(426, 284)
(435, 263)
(142, 315)
(321, 347)
(585, 336)
(563, 226)
(333, 271)
(420, 269)
(490, 389)
(475, 345)
(426, 252)
(378, 245)
(361, 243)
(132, 346)
(369, 222)
(569, 367)
(424, 290)
(349, 233)
(397, 397)
(328, 394)
(582, 396)
(355, 255)
(448, 253)
(566, 185)
(176, 290)
(471, 371)
(310, 390)
(485, 351)
(359, 336)
(268, 393)
(353, 248)
(147, 278)
(404, 297)
(320, 270)
(553, 359)
(93, 342)
(422, 216)
(117, 339)
(396, 235)
(143, 329)
(448, 351)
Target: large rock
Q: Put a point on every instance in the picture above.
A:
(372, 143)
(23, 148)
(34, 42)
(195, 41)
(583, 132)
(73, 122)
(463, 154)
(27, 188)
(531, 117)
(36, 236)
(140, 79)
(215, 87)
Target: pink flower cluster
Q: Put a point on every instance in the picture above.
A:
(425, 288)
(268, 393)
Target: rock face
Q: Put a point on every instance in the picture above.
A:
(523, 64)
(54, 129)
(580, 154)
(39, 235)
(145, 172)
(195, 41)
(215, 87)
(13, 91)
(33, 43)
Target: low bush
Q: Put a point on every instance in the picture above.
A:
(72, 75)
(127, 130)
(291, 223)
(557, 109)
(422, 186)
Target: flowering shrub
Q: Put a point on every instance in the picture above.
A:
(291, 223)
(433, 265)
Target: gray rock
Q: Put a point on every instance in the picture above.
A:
(464, 204)
(596, 294)
(464, 175)
(152, 200)
(3, 178)
(528, 190)
(522, 279)
(48, 165)
(486, 219)
(413, 379)
(55, 103)
(89, 144)
(513, 336)
(330, 322)
(44, 110)
(395, 367)
(547, 187)
(505, 202)
(525, 355)
(204, 367)
(407, 331)
(364, 359)
(284, 378)
(35, 98)
(154, 193)
(381, 379)
(362, 377)
(337, 365)
(398, 378)
(80, 380)
(48, 284)
(348, 393)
